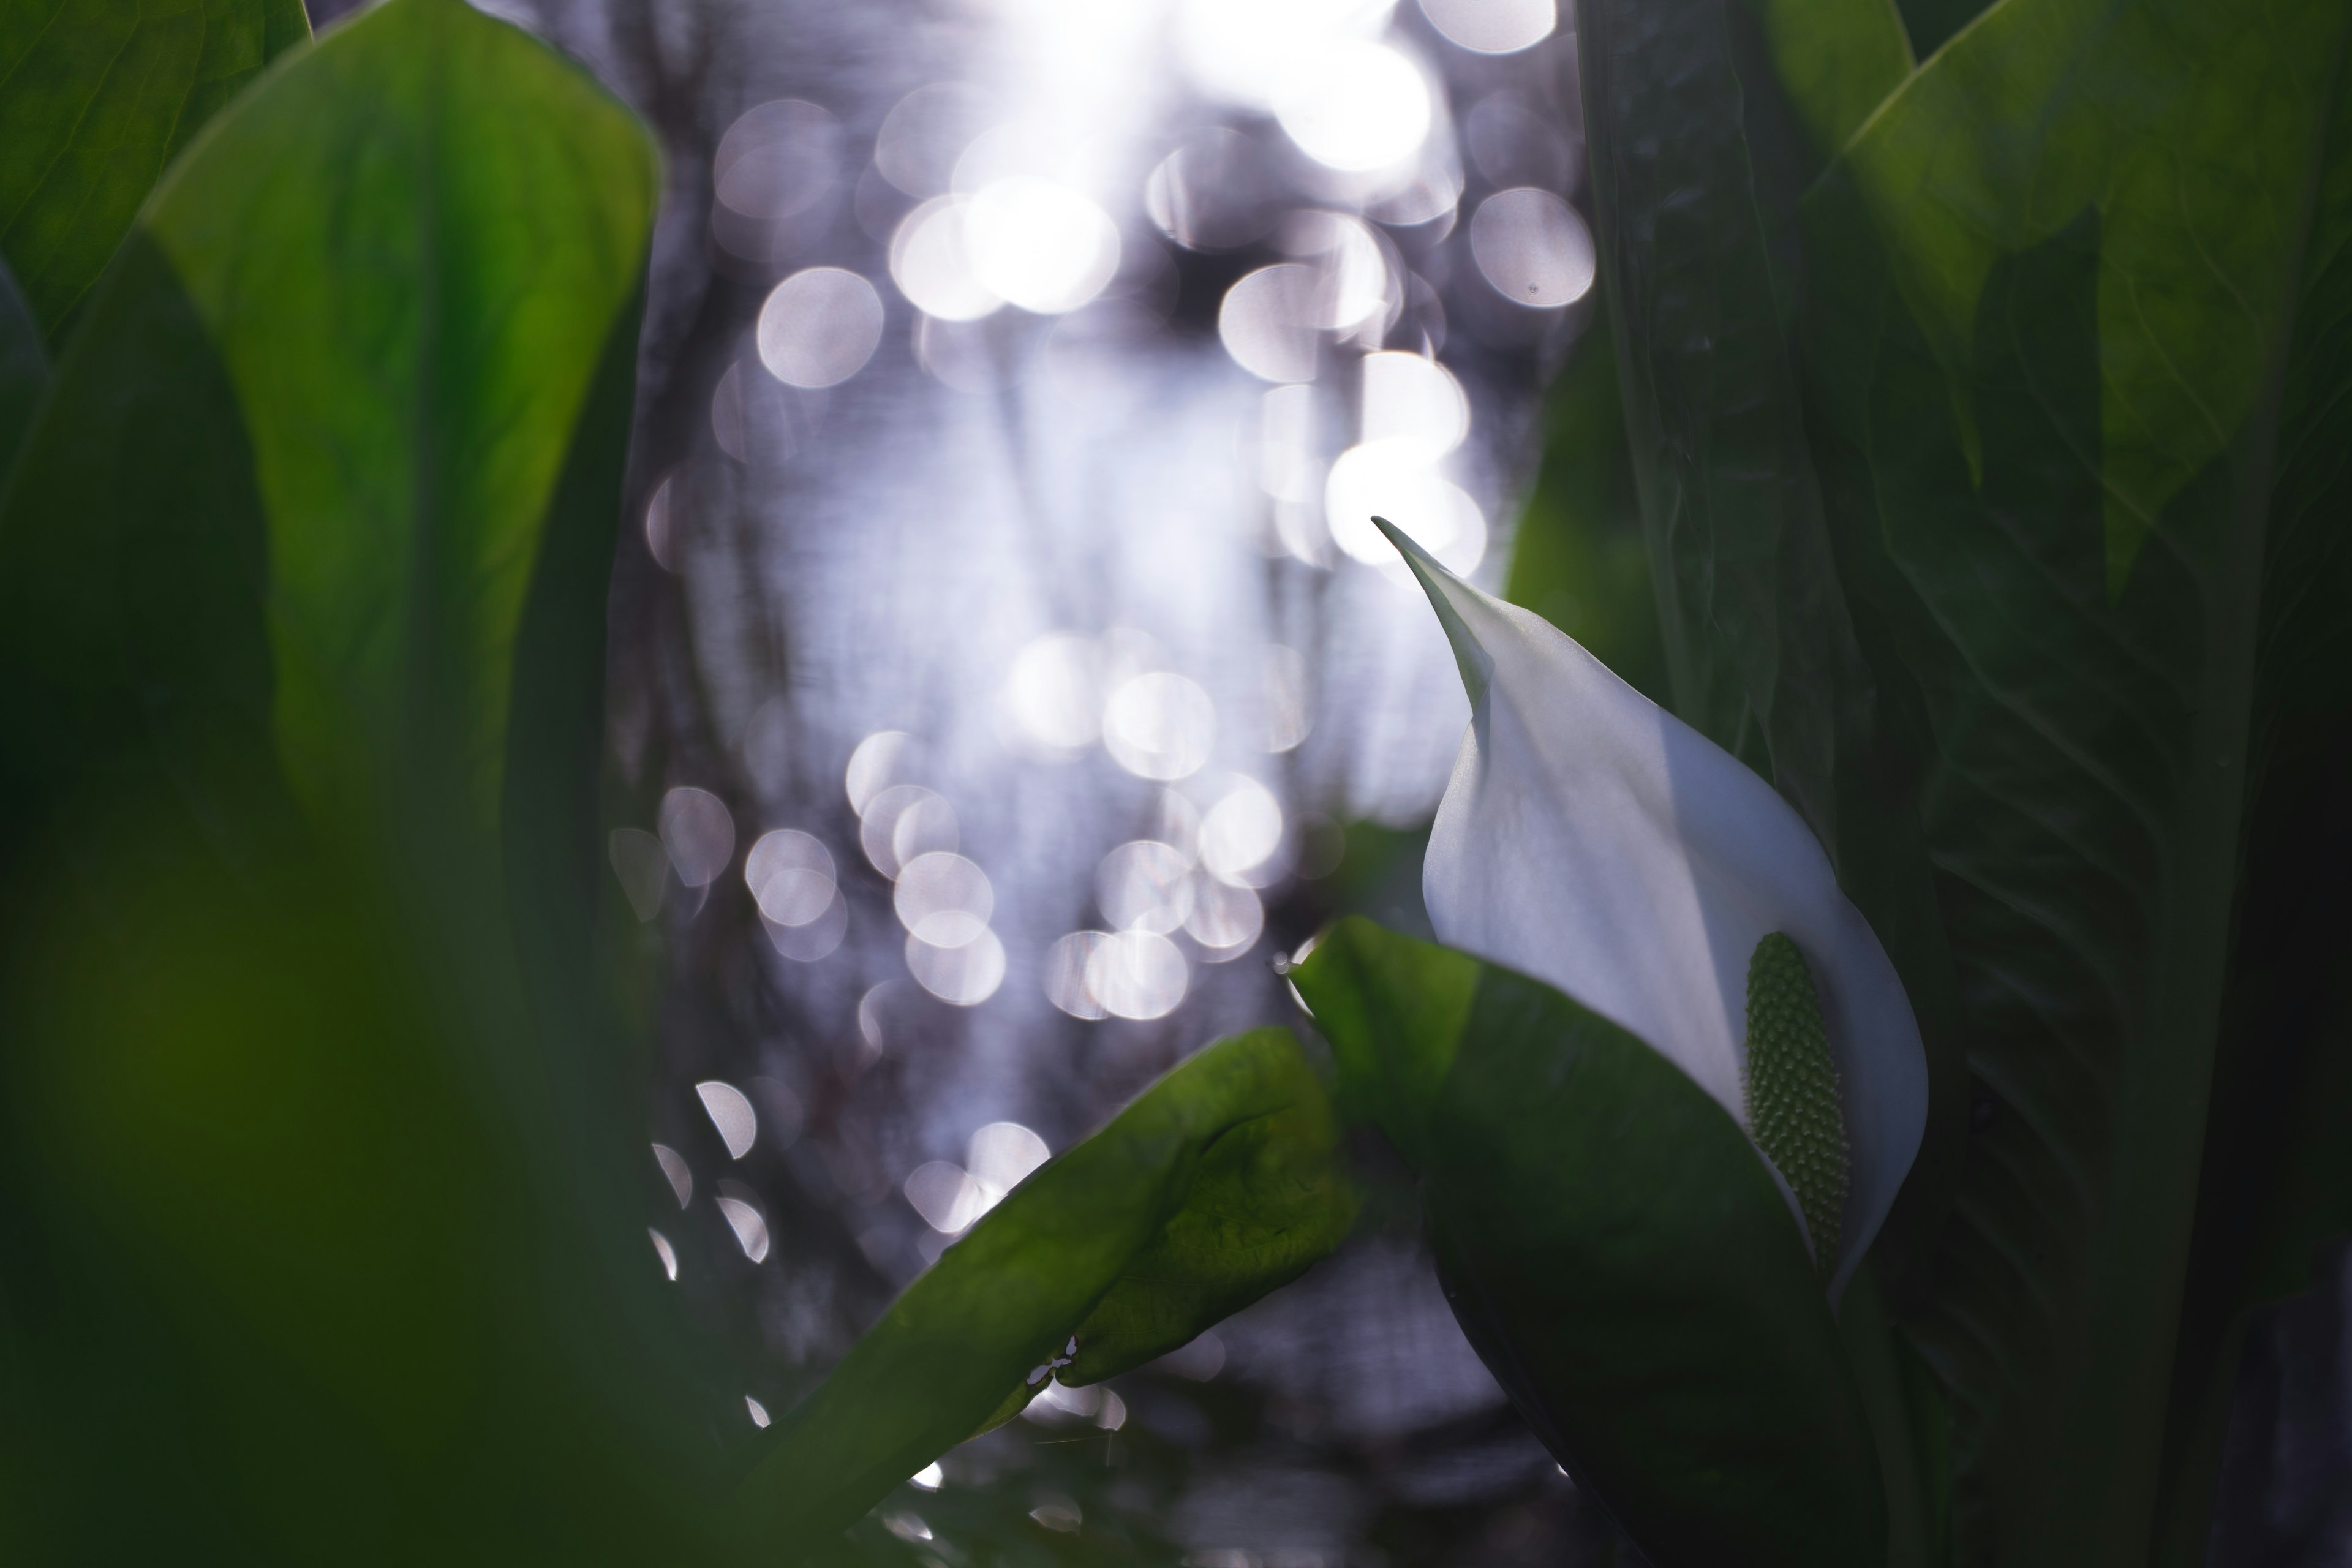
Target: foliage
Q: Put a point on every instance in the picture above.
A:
(320, 1222)
(1986, 422)
(1219, 1183)
(1615, 1249)
(97, 98)
(1990, 415)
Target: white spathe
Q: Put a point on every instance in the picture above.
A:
(1594, 841)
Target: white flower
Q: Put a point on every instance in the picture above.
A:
(1594, 841)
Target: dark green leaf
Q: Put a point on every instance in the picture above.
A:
(2076, 371)
(24, 369)
(1617, 1253)
(97, 98)
(1221, 1183)
(320, 1224)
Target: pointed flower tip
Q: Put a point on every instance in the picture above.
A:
(1448, 595)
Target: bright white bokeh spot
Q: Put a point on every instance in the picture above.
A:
(1282, 679)
(1054, 693)
(1039, 244)
(902, 822)
(1270, 322)
(948, 1196)
(778, 160)
(929, 1478)
(819, 327)
(666, 1252)
(1353, 286)
(1160, 726)
(815, 939)
(880, 760)
(1355, 107)
(1492, 26)
(1225, 920)
(1393, 479)
(1239, 50)
(642, 863)
(791, 876)
(932, 262)
(674, 1172)
(759, 1412)
(1065, 973)
(731, 1113)
(921, 138)
(699, 832)
(749, 1225)
(943, 899)
(1144, 885)
(1137, 974)
(1002, 1154)
(963, 977)
(1413, 400)
(1241, 831)
(1532, 247)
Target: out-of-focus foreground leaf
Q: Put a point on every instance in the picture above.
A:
(321, 1236)
(1617, 1252)
(97, 98)
(2056, 335)
(24, 369)
(1223, 1181)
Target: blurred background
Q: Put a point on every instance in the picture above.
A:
(1005, 670)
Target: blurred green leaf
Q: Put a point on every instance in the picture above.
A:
(1578, 558)
(97, 98)
(24, 369)
(321, 1224)
(1616, 1250)
(1221, 1183)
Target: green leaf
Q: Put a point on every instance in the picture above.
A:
(1220, 1183)
(1699, 154)
(1577, 556)
(2086, 446)
(318, 1197)
(1616, 1250)
(24, 369)
(97, 98)
(1836, 60)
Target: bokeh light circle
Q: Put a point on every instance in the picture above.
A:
(1532, 247)
(819, 327)
(1492, 26)
(1355, 106)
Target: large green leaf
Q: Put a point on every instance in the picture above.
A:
(1221, 1183)
(1699, 154)
(2075, 353)
(1615, 1248)
(320, 1224)
(97, 97)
